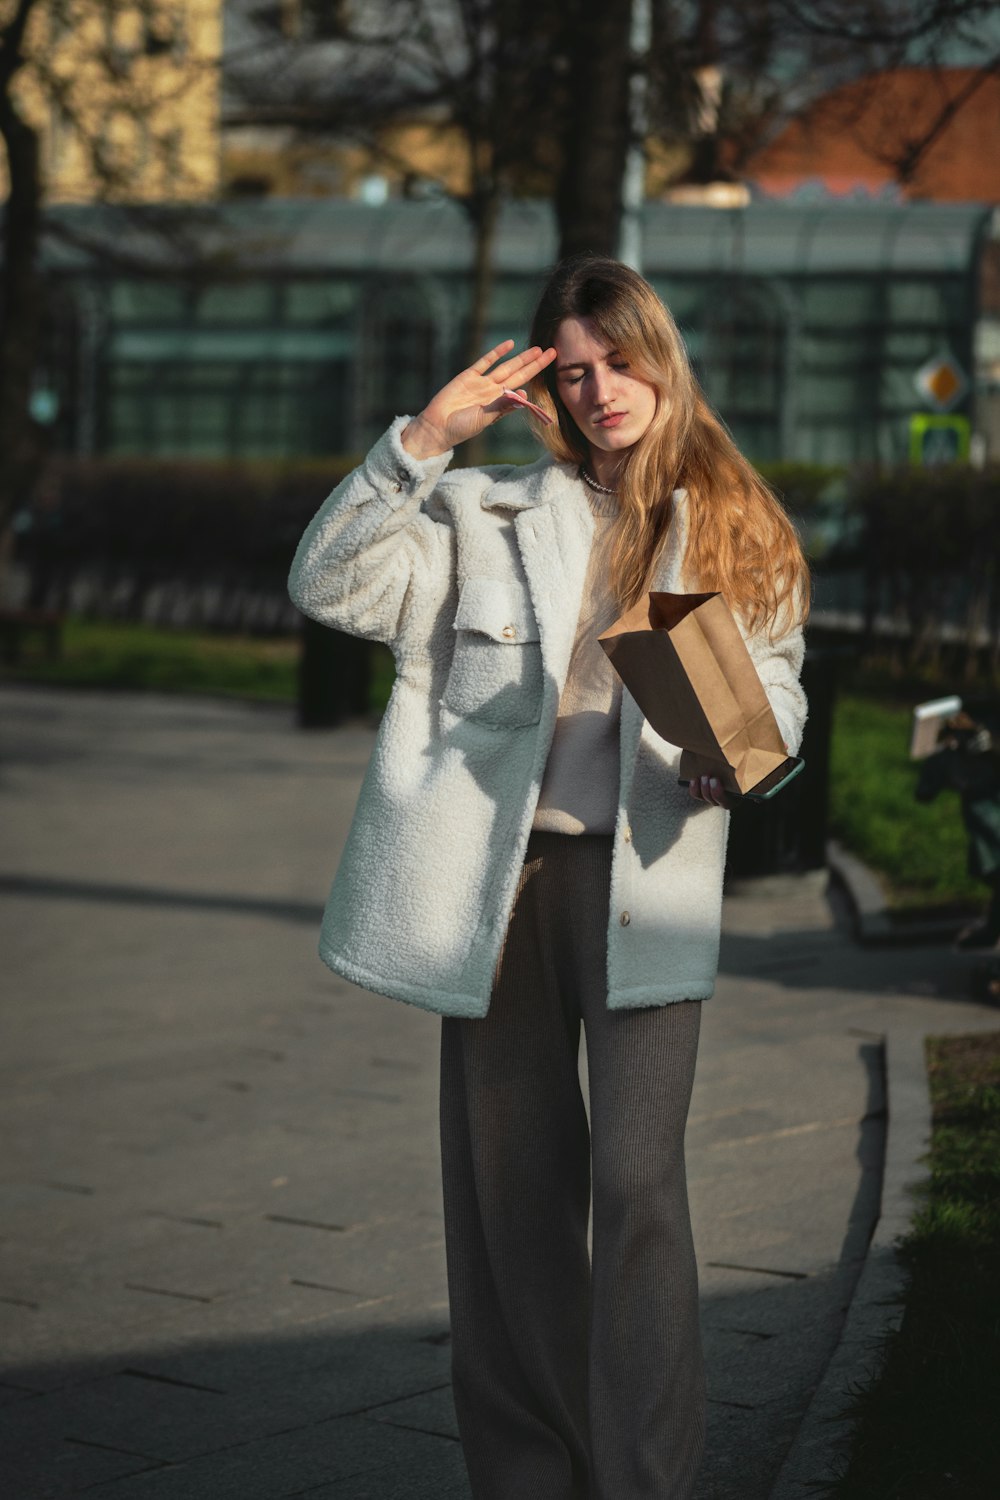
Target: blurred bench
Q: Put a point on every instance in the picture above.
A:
(17, 624)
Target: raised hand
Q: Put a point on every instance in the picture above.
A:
(474, 400)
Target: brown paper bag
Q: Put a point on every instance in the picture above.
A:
(682, 658)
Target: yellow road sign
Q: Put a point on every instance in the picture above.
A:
(942, 382)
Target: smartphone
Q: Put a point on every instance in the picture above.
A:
(771, 785)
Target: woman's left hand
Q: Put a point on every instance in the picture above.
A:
(708, 789)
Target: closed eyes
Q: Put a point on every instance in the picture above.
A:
(575, 379)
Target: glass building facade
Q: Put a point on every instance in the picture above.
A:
(297, 329)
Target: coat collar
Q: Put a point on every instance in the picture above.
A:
(526, 486)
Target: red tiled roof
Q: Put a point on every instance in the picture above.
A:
(851, 139)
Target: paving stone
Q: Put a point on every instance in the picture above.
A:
(294, 1463)
(40, 1457)
(432, 1411)
(147, 1409)
(173, 1044)
(437, 1475)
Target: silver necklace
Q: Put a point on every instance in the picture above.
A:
(602, 489)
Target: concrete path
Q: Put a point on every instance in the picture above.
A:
(221, 1256)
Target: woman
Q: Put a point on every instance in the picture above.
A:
(523, 861)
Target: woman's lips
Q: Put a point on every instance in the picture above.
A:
(613, 419)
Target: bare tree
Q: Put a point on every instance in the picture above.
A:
(895, 34)
(536, 94)
(90, 68)
(480, 75)
(20, 296)
(532, 94)
(593, 128)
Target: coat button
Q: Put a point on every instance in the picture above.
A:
(509, 632)
(624, 919)
(627, 835)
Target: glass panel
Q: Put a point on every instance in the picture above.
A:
(230, 411)
(829, 394)
(146, 301)
(915, 302)
(756, 438)
(834, 351)
(684, 297)
(912, 349)
(835, 443)
(237, 302)
(897, 391)
(835, 301)
(319, 301)
(739, 347)
(512, 303)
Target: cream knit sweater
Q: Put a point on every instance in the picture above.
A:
(580, 787)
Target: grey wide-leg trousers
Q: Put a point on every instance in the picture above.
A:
(572, 1380)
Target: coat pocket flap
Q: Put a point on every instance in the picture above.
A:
(498, 608)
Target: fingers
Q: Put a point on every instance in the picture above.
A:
(517, 371)
(491, 389)
(708, 789)
(523, 367)
(482, 365)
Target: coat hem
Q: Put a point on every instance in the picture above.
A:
(633, 999)
(467, 1007)
(471, 1007)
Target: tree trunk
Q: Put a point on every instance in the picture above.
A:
(484, 211)
(595, 140)
(21, 297)
(485, 215)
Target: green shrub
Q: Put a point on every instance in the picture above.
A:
(931, 543)
(799, 485)
(919, 848)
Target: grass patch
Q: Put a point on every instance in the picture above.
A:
(928, 1429)
(104, 654)
(918, 847)
(146, 658)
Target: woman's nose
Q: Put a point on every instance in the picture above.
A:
(603, 386)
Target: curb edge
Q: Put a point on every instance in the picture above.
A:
(825, 1435)
(873, 923)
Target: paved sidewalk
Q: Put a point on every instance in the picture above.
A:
(221, 1255)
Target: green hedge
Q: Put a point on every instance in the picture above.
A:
(925, 540)
(164, 518)
(170, 516)
(801, 487)
(209, 536)
(931, 545)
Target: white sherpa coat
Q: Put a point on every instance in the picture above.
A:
(474, 579)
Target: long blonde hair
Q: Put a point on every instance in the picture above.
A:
(740, 541)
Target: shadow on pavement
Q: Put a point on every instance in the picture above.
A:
(46, 887)
(360, 1415)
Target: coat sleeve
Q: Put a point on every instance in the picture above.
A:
(779, 664)
(372, 562)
